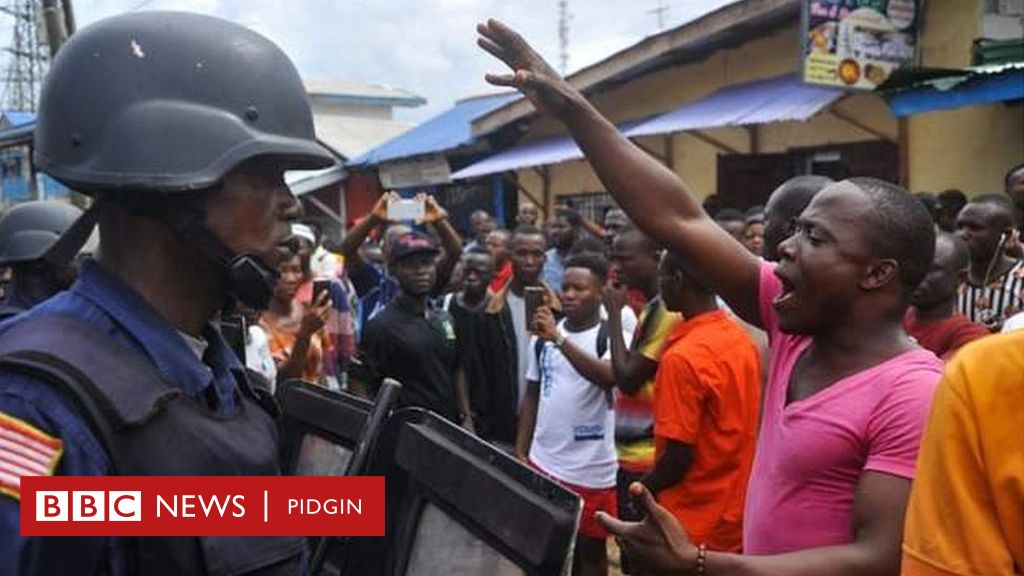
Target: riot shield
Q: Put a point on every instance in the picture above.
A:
(457, 505)
(329, 433)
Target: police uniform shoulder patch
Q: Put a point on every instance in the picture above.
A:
(25, 451)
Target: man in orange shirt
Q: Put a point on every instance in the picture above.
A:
(966, 512)
(706, 401)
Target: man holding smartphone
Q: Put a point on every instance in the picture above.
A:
(413, 342)
(375, 288)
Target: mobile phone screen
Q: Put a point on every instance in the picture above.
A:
(319, 287)
(406, 210)
(534, 296)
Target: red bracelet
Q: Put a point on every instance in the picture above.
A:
(702, 558)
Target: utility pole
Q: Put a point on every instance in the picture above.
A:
(659, 13)
(563, 36)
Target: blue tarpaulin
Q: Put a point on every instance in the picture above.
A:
(981, 86)
(448, 130)
(780, 99)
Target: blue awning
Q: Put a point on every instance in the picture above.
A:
(446, 131)
(983, 85)
(780, 99)
(537, 153)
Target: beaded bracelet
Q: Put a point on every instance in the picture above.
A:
(702, 558)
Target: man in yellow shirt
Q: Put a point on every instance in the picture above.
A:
(966, 511)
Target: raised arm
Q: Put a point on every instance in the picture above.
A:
(437, 218)
(356, 235)
(636, 180)
(632, 369)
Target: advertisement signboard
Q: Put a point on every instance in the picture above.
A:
(857, 44)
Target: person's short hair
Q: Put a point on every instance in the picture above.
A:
(478, 250)
(526, 230)
(676, 263)
(755, 210)
(961, 253)
(571, 216)
(1000, 201)
(501, 232)
(588, 244)
(928, 200)
(953, 198)
(729, 215)
(796, 193)
(595, 263)
(1010, 173)
(649, 243)
(901, 229)
(712, 203)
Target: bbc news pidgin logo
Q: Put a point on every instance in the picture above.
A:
(202, 506)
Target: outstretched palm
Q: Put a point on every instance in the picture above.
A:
(533, 76)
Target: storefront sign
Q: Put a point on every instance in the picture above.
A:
(426, 171)
(858, 43)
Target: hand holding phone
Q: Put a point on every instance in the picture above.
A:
(535, 298)
(399, 210)
(320, 287)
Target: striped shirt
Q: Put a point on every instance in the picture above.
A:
(992, 304)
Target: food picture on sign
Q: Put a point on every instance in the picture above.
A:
(858, 43)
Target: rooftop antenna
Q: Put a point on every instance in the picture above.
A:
(660, 13)
(563, 35)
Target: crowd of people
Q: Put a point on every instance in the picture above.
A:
(763, 369)
(791, 389)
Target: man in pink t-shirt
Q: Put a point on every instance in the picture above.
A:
(848, 391)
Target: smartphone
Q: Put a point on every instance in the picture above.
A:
(319, 287)
(406, 210)
(534, 296)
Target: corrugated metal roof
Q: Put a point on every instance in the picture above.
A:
(780, 99)
(446, 131)
(15, 118)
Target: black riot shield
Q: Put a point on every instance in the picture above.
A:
(457, 505)
(329, 433)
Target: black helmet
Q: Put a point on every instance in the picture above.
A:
(167, 102)
(30, 229)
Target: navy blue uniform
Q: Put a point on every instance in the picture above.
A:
(111, 306)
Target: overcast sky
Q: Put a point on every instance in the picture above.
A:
(425, 46)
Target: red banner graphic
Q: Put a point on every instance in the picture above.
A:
(202, 506)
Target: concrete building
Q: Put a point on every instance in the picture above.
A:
(720, 100)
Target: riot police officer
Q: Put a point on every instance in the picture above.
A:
(27, 233)
(180, 127)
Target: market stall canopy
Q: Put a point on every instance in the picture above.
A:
(447, 131)
(973, 86)
(780, 99)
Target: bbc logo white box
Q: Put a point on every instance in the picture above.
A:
(125, 506)
(89, 506)
(51, 506)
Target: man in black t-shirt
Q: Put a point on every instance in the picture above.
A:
(412, 342)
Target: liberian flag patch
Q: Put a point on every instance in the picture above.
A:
(25, 451)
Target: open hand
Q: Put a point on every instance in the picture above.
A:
(613, 300)
(432, 210)
(658, 544)
(380, 208)
(533, 76)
